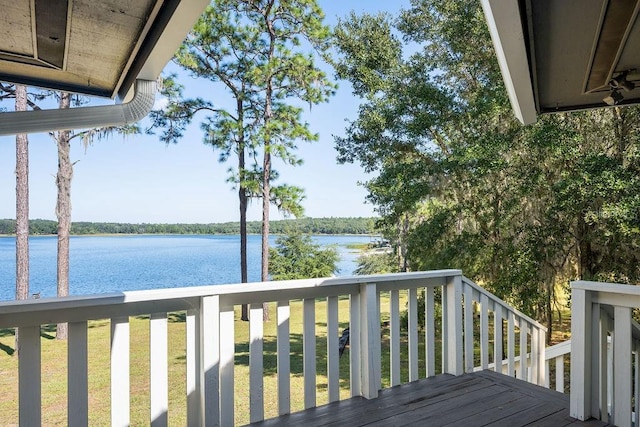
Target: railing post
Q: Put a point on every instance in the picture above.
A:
(333, 361)
(77, 378)
(580, 396)
(453, 321)
(210, 354)
(120, 371)
(227, 355)
(195, 414)
(158, 366)
(622, 367)
(30, 377)
(370, 380)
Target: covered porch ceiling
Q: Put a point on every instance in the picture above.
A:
(566, 55)
(91, 47)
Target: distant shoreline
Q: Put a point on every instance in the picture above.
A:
(320, 226)
(187, 234)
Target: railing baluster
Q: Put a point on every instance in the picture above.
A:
(511, 343)
(309, 352)
(534, 370)
(284, 358)
(158, 375)
(610, 361)
(541, 352)
(77, 377)
(210, 344)
(547, 378)
(29, 372)
(394, 338)
(256, 371)
(636, 381)
(355, 354)
(497, 337)
(444, 333)
(333, 361)
(194, 380)
(603, 377)
(413, 334)
(468, 328)
(622, 367)
(523, 348)
(227, 354)
(595, 358)
(120, 371)
(429, 330)
(484, 331)
(560, 374)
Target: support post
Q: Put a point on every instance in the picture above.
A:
(369, 341)
(622, 367)
(580, 397)
(454, 325)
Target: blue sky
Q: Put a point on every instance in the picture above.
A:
(139, 179)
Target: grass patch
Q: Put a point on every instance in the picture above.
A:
(357, 246)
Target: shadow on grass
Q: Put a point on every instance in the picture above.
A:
(7, 349)
(179, 317)
(7, 333)
(46, 331)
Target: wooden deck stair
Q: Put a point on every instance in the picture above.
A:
(482, 398)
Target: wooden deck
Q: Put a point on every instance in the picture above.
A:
(478, 399)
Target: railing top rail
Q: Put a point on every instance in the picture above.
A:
(199, 291)
(503, 303)
(615, 288)
(559, 349)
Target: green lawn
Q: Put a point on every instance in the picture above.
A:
(54, 368)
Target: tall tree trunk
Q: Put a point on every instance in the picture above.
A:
(586, 270)
(242, 197)
(266, 163)
(266, 203)
(22, 207)
(63, 210)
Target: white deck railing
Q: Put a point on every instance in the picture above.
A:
(605, 344)
(476, 331)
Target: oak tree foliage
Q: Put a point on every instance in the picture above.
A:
(459, 183)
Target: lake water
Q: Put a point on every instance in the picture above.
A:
(100, 264)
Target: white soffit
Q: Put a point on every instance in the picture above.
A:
(97, 48)
(92, 48)
(505, 26)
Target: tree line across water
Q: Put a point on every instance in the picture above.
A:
(356, 225)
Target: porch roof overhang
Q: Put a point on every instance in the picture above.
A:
(566, 55)
(97, 48)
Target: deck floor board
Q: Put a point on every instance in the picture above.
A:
(476, 399)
